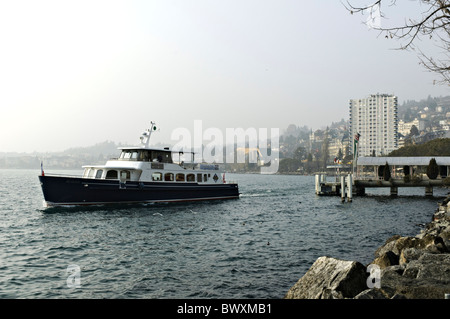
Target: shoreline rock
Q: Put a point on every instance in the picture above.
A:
(330, 278)
(404, 267)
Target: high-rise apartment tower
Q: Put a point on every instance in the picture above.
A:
(375, 119)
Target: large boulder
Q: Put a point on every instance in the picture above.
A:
(372, 293)
(330, 278)
(409, 254)
(445, 235)
(388, 246)
(386, 259)
(423, 276)
(390, 253)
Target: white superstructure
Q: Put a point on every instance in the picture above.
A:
(145, 164)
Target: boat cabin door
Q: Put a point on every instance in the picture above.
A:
(123, 176)
(122, 179)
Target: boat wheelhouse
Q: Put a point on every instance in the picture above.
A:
(139, 175)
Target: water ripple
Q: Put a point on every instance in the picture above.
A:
(255, 247)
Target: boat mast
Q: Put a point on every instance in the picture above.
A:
(145, 138)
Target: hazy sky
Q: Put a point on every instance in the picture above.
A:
(76, 73)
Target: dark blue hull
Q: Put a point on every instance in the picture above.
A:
(63, 190)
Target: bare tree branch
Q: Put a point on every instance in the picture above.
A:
(353, 9)
(434, 23)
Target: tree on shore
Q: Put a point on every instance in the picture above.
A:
(432, 169)
(413, 131)
(289, 165)
(433, 24)
(380, 171)
(309, 163)
(300, 153)
(325, 149)
(387, 172)
(406, 170)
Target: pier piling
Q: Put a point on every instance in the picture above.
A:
(316, 178)
(349, 187)
(343, 185)
(394, 191)
(429, 191)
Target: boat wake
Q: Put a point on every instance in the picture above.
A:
(254, 195)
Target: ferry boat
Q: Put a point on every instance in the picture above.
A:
(139, 175)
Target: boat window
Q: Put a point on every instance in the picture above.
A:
(125, 175)
(199, 177)
(112, 174)
(144, 156)
(168, 177)
(99, 173)
(91, 173)
(86, 172)
(205, 177)
(161, 156)
(190, 178)
(156, 176)
(180, 177)
(127, 155)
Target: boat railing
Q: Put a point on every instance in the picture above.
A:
(64, 175)
(200, 166)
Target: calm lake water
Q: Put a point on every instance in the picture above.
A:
(257, 246)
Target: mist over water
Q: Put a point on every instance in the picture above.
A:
(257, 246)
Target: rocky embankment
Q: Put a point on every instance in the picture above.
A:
(404, 267)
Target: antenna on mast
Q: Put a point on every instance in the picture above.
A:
(145, 138)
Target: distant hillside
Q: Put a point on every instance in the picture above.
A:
(104, 148)
(412, 109)
(436, 147)
(72, 158)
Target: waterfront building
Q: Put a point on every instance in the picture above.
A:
(375, 118)
(338, 144)
(404, 128)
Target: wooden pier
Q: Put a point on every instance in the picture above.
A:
(347, 186)
(367, 176)
(342, 185)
